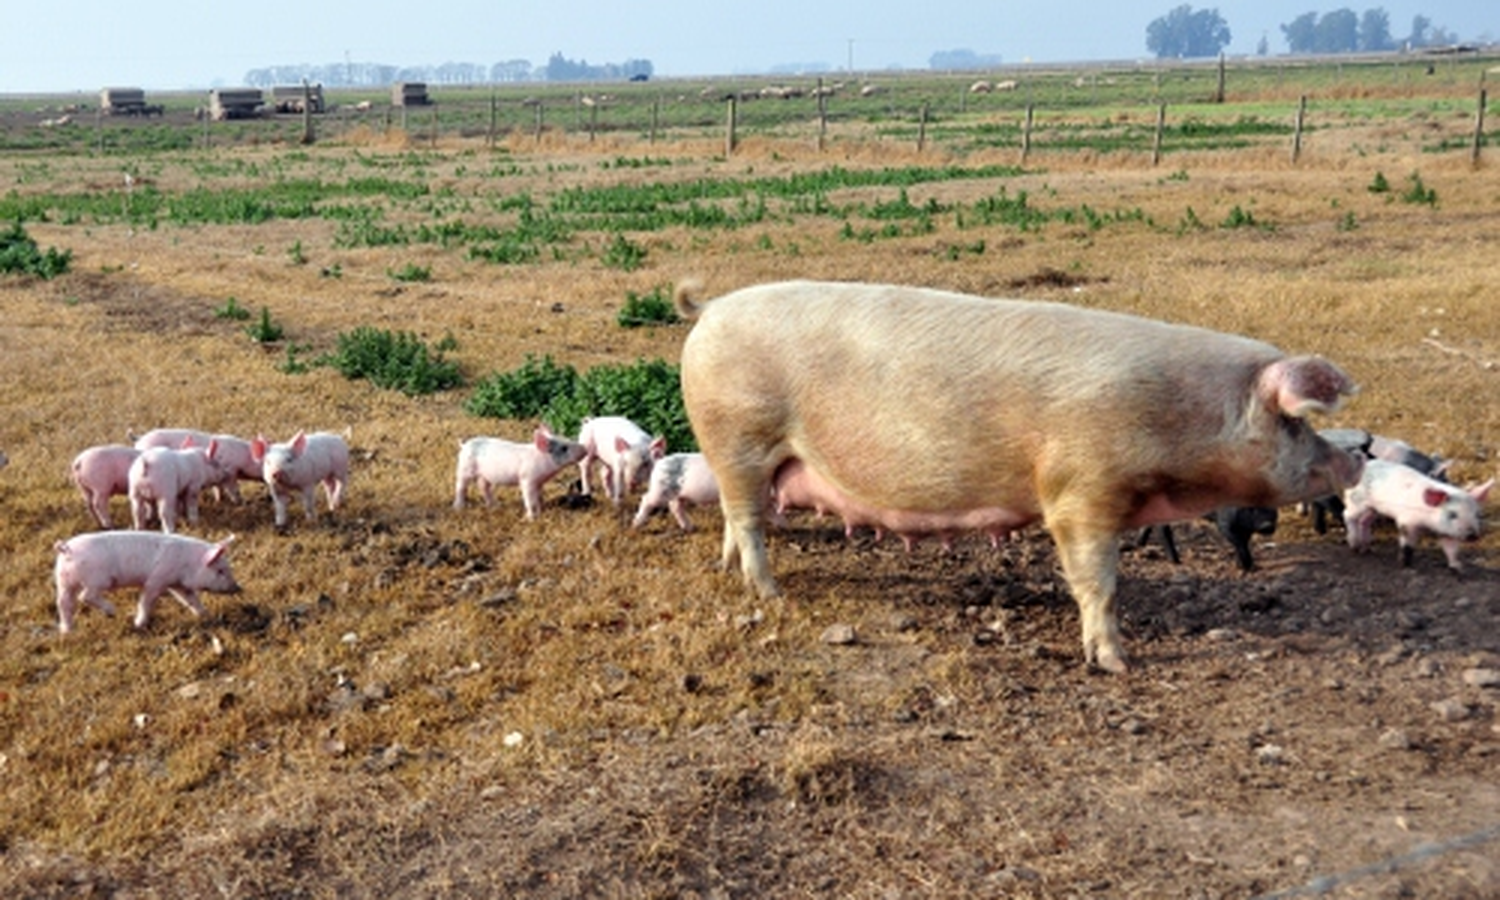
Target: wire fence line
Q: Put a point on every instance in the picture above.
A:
(1423, 852)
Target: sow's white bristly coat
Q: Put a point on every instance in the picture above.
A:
(926, 412)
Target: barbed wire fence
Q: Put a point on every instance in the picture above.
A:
(1390, 865)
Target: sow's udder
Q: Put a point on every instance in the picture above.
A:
(798, 485)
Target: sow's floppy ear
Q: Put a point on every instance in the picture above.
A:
(1299, 385)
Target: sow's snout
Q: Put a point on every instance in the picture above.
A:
(1334, 469)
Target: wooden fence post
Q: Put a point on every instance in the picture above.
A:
(434, 126)
(1478, 127)
(1161, 126)
(494, 114)
(1026, 131)
(539, 121)
(307, 125)
(1297, 129)
(1219, 94)
(655, 117)
(593, 120)
(922, 129)
(822, 114)
(729, 129)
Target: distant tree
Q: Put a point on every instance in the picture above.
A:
(1263, 46)
(962, 58)
(1302, 33)
(1375, 31)
(631, 68)
(511, 70)
(1187, 33)
(1338, 32)
(1425, 34)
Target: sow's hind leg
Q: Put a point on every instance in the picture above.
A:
(744, 496)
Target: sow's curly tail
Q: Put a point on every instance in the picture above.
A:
(686, 298)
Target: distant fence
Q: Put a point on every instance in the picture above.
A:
(1161, 107)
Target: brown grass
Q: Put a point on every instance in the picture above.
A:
(341, 726)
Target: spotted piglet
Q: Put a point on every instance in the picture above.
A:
(678, 481)
(1418, 503)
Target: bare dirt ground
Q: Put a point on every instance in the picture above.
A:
(1310, 727)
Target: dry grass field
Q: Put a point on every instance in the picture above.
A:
(412, 701)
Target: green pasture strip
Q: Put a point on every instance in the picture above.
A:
(289, 199)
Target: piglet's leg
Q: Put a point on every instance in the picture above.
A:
(190, 600)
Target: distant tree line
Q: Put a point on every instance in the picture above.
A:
(962, 58)
(1341, 31)
(368, 75)
(1187, 33)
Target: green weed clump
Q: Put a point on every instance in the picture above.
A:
(1238, 217)
(232, 310)
(395, 360)
(654, 308)
(411, 272)
(624, 254)
(264, 330)
(20, 255)
(1417, 192)
(648, 392)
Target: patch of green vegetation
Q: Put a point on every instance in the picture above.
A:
(396, 360)
(1238, 217)
(654, 308)
(624, 254)
(232, 310)
(1379, 185)
(264, 330)
(1417, 192)
(648, 392)
(20, 255)
(522, 393)
(411, 272)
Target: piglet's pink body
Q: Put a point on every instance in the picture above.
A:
(678, 481)
(624, 449)
(90, 565)
(1419, 504)
(299, 466)
(491, 461)
(101, 473)
(171, 481)
(236, 462)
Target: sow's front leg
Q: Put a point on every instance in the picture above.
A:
(1090, 557)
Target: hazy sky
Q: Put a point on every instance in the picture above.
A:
(67, 45)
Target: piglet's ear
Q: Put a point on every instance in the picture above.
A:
(258, 448)
(1433, 497)
(299, 443)
(621, 445)
(541, 439)
(1300, 385)
(1482, 491)
(659, 447)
